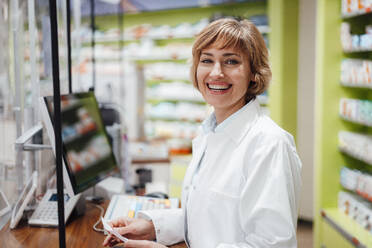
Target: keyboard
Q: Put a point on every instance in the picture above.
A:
(46, 213)
(128, 205)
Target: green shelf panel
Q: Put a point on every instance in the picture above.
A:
(154, 101)
(177, 16)
(152, 82)
(283, 40)
(151, 61)
(352, 232)
(177, 40)
(173, 119)
(328, 91)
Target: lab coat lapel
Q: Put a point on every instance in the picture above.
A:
(241, 124)
(197, 150)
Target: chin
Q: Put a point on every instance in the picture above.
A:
(216, 104)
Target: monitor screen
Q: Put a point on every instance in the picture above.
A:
(87, 153)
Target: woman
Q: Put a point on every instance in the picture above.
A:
(242, 186)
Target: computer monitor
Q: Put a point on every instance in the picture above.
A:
(87, 153)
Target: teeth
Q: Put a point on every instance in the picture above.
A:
(218, 86)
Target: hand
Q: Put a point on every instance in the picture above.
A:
(139, 229)
(142, 244)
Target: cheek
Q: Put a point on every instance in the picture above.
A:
(244, 79)
(200, 76)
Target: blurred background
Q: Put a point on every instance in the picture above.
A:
(134, 55)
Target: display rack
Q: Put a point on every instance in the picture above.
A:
(281, 100)
(282, 34)
(335, 127)
(165, 45)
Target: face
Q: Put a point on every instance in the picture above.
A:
(223, 76)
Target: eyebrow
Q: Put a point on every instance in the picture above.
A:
(224, 55)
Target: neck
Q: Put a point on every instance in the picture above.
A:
(224, 113)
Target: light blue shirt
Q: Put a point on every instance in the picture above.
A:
(210, 124)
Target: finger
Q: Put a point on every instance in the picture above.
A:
(137, 244)
(124, 230)
(110, 240)
(122, 221)
(107, 240)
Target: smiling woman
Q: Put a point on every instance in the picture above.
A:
(230, 65)
(242, 186)
(246, 42)
(223, 78)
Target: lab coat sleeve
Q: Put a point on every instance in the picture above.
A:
(269, 201)
(168, 223)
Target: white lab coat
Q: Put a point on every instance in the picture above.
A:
(247, 188)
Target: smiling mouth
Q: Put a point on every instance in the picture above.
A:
(219, 87)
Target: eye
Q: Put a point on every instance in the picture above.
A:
(206, 61)
(232, 62)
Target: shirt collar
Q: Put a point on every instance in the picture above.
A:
(237, 124)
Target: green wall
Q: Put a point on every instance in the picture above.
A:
(283, 39)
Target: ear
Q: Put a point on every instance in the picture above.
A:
(252, 85)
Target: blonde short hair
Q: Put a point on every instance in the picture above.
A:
(243, 36)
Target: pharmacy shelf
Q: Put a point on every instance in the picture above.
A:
(363, 85)
(330, 154)
(98, 161)
(355, 181)
(364, 196)
(264, 29)
(155, 100)
(170, 119)
(356, 14)
(352, 153)
(153, 59)
(347, 227)
(356, 121)
(356, 111)
(73, 106)
(102, 40)
(151, 82)
(356, 51)
(79, 137)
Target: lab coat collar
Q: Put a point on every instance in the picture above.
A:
(238, 124)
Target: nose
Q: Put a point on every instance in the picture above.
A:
(216, 70)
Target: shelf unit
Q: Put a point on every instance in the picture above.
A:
(337, 223)
(174, 18)
(332, 227)
(282, 36)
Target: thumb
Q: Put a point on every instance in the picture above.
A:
(123, 230)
